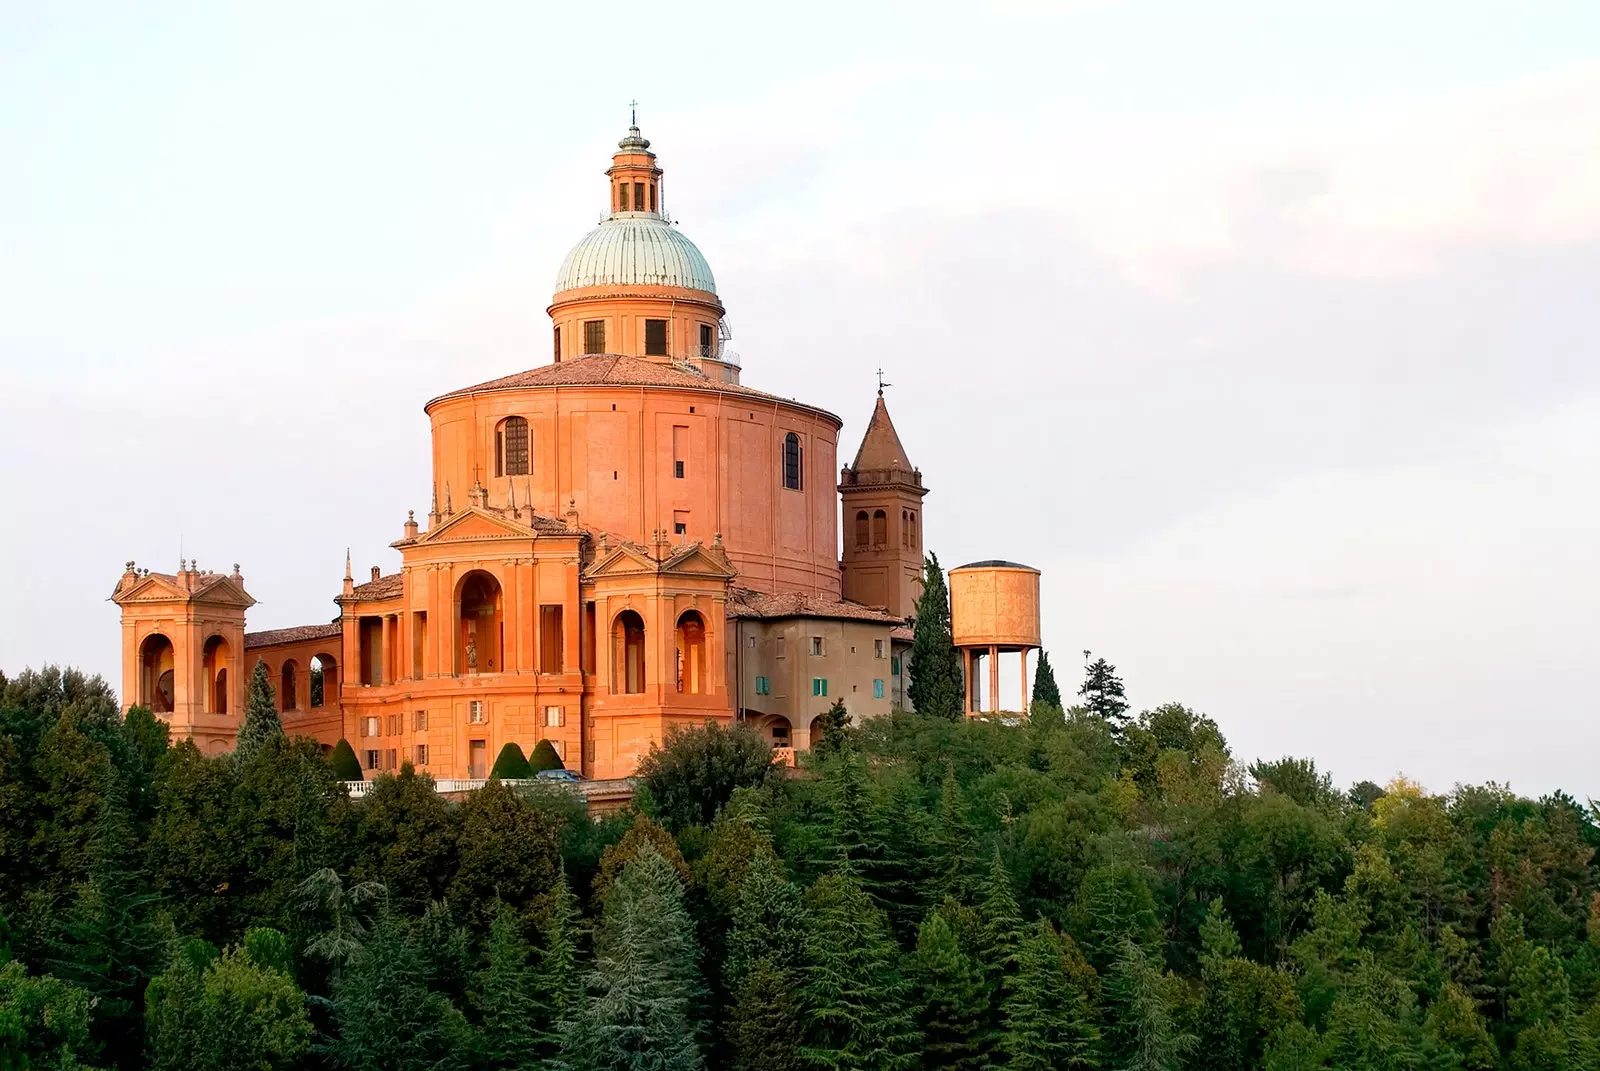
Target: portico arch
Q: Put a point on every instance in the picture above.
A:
(218, 665)
(627, 653)
(157, 660)
(480, 624)
(289, 686)
(324, 681)
(691, 652)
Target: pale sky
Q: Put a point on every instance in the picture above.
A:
(1267, 330)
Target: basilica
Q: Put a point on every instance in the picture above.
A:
(621, 540)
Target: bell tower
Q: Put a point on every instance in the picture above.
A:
(882, 507)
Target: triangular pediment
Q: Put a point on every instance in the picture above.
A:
(210, 590)
(625, 558)
(475, 523)
(697, 560)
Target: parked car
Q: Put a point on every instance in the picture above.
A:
(557, 775)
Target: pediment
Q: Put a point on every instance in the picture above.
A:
(693, 560)
(211, 590)
(476, 523)
(625, 558)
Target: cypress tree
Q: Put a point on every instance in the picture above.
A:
(1048, 1024)
(833, 730)
(1103, 694)
(1004, 930)
(764, 1026)
(346, 767)
(951, 843)
(857, 1013)
(645, 979)
(261, 722)
(511, 764)
(951, 996)
(1045, 690)
(937, 679)
(507, 999)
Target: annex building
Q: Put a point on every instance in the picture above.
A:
(621, 540)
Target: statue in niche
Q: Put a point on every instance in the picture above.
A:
(472, 654)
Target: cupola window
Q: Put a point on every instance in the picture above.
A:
(792, 455)
(558, 345)
(707, 347)
(652, 197)
(655, 338)
(511, 447)
(638, 197)
(594, 336)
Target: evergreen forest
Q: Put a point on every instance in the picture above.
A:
(1089, 888)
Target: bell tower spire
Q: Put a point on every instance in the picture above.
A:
(882, 505)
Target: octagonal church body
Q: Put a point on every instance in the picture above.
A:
(624, 539)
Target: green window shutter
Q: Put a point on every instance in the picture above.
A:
(877, 689)
(894, 665)
(824, 686)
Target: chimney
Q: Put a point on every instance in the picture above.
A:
(374, 572)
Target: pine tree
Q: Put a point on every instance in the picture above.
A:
(951, 841)
(346, 767)
(769, 923)
(764, 1025)
(1103, 695)
(511, 764)
(1004, 930)
(388, 1020)
(1145, 1035)
(937, 679)
(340, 916)
(557, 986)
(1048, 1024)
(645, 979)
(109, 944)
(951, 996)
(261, 722)
(1045, 690)
(857, 1012)
(507, 999)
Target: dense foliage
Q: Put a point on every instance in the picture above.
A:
(1087, 890)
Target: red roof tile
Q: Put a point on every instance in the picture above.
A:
(744, 603)
(298, 634)
(385, 587)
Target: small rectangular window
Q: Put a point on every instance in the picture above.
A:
(594, 336)
(877, 689)
(371, 727)
(558, 345)
(679, 528)
(475, 712)
(372, 760)
(894, 666)
(707, 347)
(390, 758)
(781, 647)
(816, 646)
(677, 470)
(655, 338)
(419, 721)
(422, 754)
(554, 716)
(638, 197)
(816, 685)
(877, 648)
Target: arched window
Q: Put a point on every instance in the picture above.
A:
(911, 530)
(792, 455)
(511, 447)
(155, 673)
(861, 528)
(288, 696)
(691, 653)
(880, 527)
(324, 680)
(905, 528)
(627, 654)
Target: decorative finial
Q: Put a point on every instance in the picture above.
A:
(448, 512)
(633, 114)
(347, 575)
(235, 568)
(411, 516)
